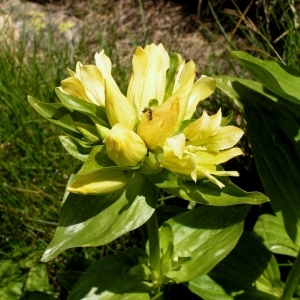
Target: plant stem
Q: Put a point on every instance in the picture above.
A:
(292, 280)
(154, 247)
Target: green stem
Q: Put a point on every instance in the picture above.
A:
(154, 247)
(292, 280)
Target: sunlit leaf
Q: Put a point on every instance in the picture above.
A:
(206, 235)
(250, 271)
(274, 236)
(206, 192)
(93, 220)
(106, 280)
(280, 79)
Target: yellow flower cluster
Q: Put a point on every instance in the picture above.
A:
(151, 115)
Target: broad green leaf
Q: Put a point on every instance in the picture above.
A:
(206, 192)
(80, 149)
(93, 220)
(57, 114)
(250, 271)
(95, 112)
(105, 280)
(207, 288)
(275, 238)
(273, 132)
(280, 79)
(205, 234)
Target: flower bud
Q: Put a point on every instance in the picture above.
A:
(124, 146)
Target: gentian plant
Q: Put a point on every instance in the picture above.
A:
(133, 149)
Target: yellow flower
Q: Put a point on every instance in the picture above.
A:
(202, 146)
(162, 93)
(125, 147)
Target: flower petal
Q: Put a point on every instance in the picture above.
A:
(118, 108)
(75, 87)
(103, 63)
(183, 87)
(202, 89)
(155, 128)
(205, 157)
(148, 80)
(226, 138)
(100, 182)
(124, 146)
(93, 81)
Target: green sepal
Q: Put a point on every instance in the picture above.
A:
(89, 132)
(94, 220)
(171, 73)
(206, 192)
(254, 274)
(202, 237)
(80, 149)
(57, 114)
(280, 79)
(274, 236)
(95, 112)
(152, 162)
(226, 120)
(105, 280)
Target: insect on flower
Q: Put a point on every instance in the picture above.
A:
(149, 113)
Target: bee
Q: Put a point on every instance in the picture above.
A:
(149, 112)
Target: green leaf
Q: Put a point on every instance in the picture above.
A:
(273, 132)
(250, 271)
(93, 220)
(95, 112)
(205, 234)
(23, 272)
(279, 79)
(167, 248)
(105, 280)
(206, 192)
(57, 114)
(80, 149)
(275, 238)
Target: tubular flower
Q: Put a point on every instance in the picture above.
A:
(203, 145)
(162, 93)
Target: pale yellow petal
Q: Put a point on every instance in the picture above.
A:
(73, 86)
(148, 80)
(71, 73)
(118, 108)
(158, 124)
(225, 138)
(183, 88)
(99, 182)
(184, 166)
(194, 130)
(202, 89)
(93, 81)
(124, 146)
(205, 157)
(103, 63)
(177, 143)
